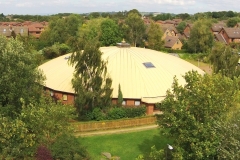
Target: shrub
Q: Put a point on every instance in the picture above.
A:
(68, 147)
(96, 115)
(116, 113)
(134, 111)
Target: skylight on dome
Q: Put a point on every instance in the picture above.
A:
(148, 65)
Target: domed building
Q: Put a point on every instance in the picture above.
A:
(143, 74)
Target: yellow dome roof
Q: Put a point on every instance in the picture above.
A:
(142, 73)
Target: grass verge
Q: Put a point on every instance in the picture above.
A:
(126, 145)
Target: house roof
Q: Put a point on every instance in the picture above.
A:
(217, 27)
(170, 41)
(232, 32)
(220, 38)
(170, 27)
(142, 73)
(7, 30)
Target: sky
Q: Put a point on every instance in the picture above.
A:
(47, 7)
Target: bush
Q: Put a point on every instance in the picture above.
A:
(116, 113)
(68, 147)
(134, 111)
(96, 115)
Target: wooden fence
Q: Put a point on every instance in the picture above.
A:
(113, 124)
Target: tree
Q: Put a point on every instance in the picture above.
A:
(155, 34)
(231, 22)
(110, 33)
(181, 26)
(134, 28)
(224, 60)
(120, 96)
(191, 113)
(38, 124)
(201, 37)
(90, 82)
(20, 78)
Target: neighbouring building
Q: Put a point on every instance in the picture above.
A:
(173, 42)
(143, 74)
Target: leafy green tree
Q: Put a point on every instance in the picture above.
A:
(201, 37)
(90, 82)
(61, 30)
(134, 29)
(191, 113)
(228, 148)
(110, 33)
(224, 60)
(181, 26)
(154, 39)
(120, 96)
(20, 78)
(39, 123)
(231, 22)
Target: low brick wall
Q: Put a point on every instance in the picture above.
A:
(113, 124)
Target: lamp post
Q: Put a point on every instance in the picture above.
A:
(169, 148)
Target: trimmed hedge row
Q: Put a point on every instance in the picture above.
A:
(116, 113)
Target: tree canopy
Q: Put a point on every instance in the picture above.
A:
(224, 60)
(191, 113)
(134, 28)
(90, 82)
(20, 78)
(201, 37)
(154, 37)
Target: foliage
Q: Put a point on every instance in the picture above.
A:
(55, 50)
(90, 82)
(120, 96)
(19, 77)
(135, 111)
(154, 39)
(116, 113)
(225, 60)
(37, 124)
(134, 28)
(201, 37)
(91, 30)
(68, 147)
(192, 111)
(231, 22)
(95, 115)
(126, 112)
(181, 26)
(61, 30)
(43, 153)
(110, 33)
(228, 148)
(163, 17)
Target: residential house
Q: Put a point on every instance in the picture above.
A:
(168, 30)
(216, 27)
(173, 42)
(230, 35)
(9, 31)
(186, 31)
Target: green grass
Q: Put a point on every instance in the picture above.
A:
(126, 145)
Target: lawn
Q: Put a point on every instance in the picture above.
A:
(126, 145)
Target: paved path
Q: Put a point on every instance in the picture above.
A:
(115, 131)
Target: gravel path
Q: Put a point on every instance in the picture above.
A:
(115, 131)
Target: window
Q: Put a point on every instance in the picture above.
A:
(137, 103)
(64, 97)
(124, 103)
(148, 65)
(21, 31)
(51, 93)
(4, 30)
